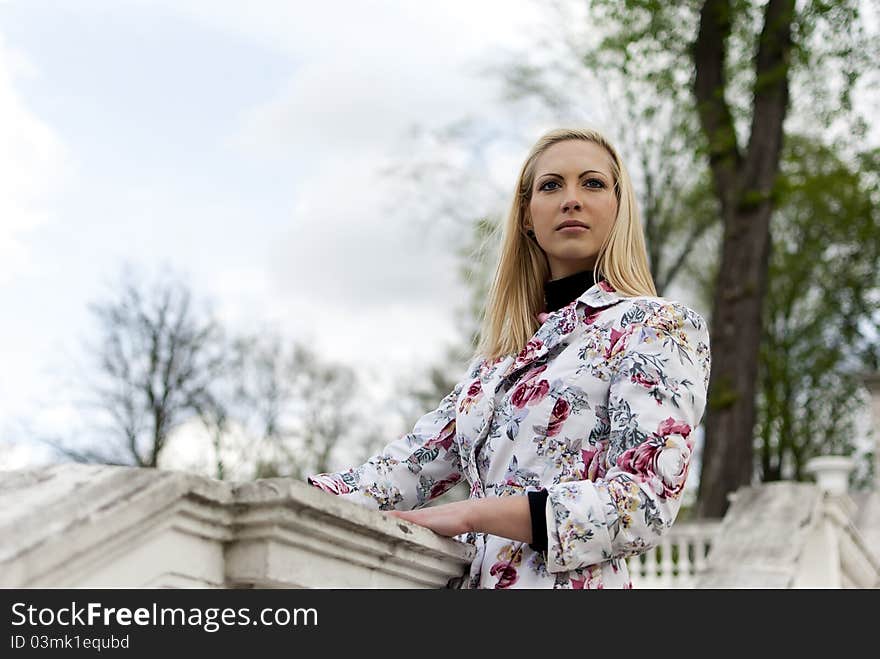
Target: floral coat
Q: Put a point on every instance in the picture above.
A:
(599, 408)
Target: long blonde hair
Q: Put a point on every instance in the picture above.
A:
(517, 292)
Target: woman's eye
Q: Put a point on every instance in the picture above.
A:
(590, 183)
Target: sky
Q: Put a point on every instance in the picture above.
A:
(246, 148)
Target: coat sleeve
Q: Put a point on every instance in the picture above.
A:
(657, 396)
(408, 472)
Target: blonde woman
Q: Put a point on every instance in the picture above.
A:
(574, 423)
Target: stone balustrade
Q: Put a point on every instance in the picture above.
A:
(791, 535)
(100, 526)
(679, 558)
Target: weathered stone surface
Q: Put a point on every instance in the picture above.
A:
(761, 536)
(789, 535)
(867, 518)
(85, 525)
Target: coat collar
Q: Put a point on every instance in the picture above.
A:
(559, 324)
(600, 295)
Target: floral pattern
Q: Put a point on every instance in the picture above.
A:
(599, 408)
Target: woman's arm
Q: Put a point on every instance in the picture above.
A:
(408, 472)
(508, 517)
(656, 399)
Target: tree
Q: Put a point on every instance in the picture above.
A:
(821, 326)
(741, 58)
(284, 412)
(163, 368)
(157, 360)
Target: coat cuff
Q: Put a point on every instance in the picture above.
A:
(538, 510)
(329, 482)
(578, 526)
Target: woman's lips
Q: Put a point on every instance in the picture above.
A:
(572, 229)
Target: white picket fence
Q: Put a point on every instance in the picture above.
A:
(676, 561)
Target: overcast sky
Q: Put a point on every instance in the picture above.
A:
(241, 145)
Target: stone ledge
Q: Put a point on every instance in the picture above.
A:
(789, 535)
(94, 526)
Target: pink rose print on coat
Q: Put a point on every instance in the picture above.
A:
(605, 286)
(662, 459)
(328, 483)
(565, 324)
(528, 353)
(530, 391)
(506, 574)
(444, 438)
(618, 341)
(569, 319)
(441, 486)
(672, 427)
(594, 461)
(588, 581)
(615, 339)
(560, 413)
(473, 394)
(646, 380)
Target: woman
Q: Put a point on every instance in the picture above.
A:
(574, 422)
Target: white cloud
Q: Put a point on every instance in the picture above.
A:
(353, 27)
(364, 72)
(24, 456)
(356, 105)
(31, 158)
(347, 260)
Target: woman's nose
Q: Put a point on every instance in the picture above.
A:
(571, 204)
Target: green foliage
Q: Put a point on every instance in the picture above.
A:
(832, 51)
(821, 322)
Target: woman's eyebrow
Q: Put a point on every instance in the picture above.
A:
(595, 171)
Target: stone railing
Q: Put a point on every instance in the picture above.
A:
(679, 558)
(795, 535)
(99, 526)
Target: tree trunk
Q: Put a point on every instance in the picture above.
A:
(744, 184)
(735, 340)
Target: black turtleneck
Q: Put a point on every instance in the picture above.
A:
(558, 293)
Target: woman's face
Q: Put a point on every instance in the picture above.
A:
(573, 185)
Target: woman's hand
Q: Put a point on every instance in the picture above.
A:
(447, 519)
